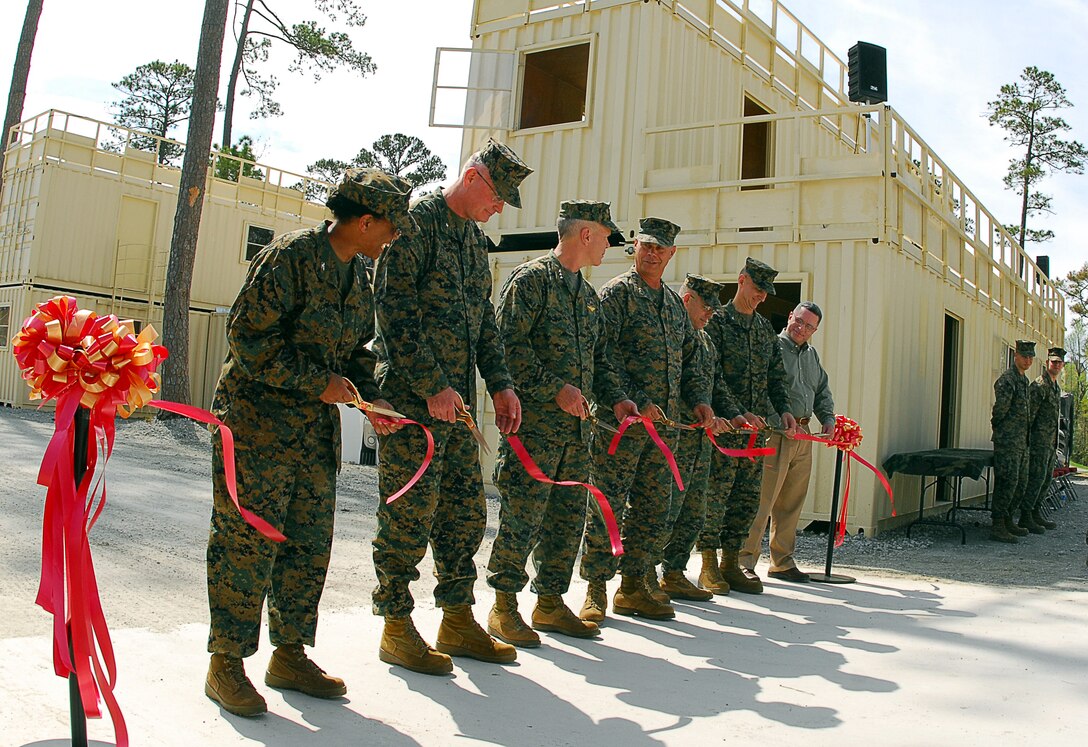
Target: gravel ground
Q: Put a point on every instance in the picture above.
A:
(149, 543)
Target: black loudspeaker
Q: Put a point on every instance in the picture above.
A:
(1043, 261)
(868, 69)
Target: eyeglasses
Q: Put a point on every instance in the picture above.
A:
(805, 325)
(494, 192)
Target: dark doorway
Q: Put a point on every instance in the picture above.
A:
(776, 309)
(947, 435)
(757, 146)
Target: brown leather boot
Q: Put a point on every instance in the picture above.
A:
(596, 603)
(403, 646)
(1011, 528)
(291, 669)
(710, 578)
(506, 623)
(228, 686)
(1000, 533)
(739, 579)
(1038, 518)
(1027, 522)
(632, 600)
(653, 587)
(460, 635)
(677, 586)
(552, 615)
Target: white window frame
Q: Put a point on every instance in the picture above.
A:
(245, 239)
(519, 83)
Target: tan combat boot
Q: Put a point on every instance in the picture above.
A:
(1027, 522)
(739, 579)
(1000, 533)
(1038, 518)
(553, 616)
(460, 635)
(676, 585)
(710, 578)
(1011, 528)
(596, 603)
(506, 623)
(403, 646)
(291, 669)
(228, 686)
(653, 587)
(632, 600)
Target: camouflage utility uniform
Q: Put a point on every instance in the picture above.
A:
(1044, 396)
(551, 335)
(436, 327)
(301, 316)
(751, 365)
(652, 346)
(1009, 420)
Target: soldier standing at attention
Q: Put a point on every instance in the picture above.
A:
(701, 297)
(652, 346)
(436, 327)
(1044, 396)
(786, 473)
(550, 321)
(300, 324)
(752, 369)
(1009, 420)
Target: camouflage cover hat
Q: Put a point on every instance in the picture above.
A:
(657, 231)
(597, 212)
(507, 171)
(385, 194)
(706, 289)
(1055, 354)
(1026, 347)
(762, 275)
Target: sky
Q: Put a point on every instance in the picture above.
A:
(946, 60)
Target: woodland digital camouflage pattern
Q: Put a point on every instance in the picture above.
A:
(507, 171)
(551, 337)
(653, 352)
(1044, 397)
(288, 330)
(436, 327)
(1009, 420)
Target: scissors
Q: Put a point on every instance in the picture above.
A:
(664, 420)
(464, 416)
(594, 419)
(365, 406)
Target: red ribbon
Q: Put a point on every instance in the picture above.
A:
(631, 419)
(427, 458)
(538, 474)
(846, 437)
(750, 452)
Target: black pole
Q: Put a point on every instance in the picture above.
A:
(827, 577)
(79, 455)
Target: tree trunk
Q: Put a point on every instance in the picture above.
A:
(194, 179)
(19, 75)
(232, 85)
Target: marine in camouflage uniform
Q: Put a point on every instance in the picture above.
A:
(1044, 398)
(300, 323)
(701, 297)
(752, 369)
(436, 327)
(1009, 421)
(652, 345)
(550, 320)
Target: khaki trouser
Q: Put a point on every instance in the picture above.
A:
(781, 497)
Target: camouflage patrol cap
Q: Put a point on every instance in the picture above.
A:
(706, 289)
(657, 231)
(591, 210)
(1026, 348)
(1055, 354)
(762, 275)
(385, 194)
(507, 171)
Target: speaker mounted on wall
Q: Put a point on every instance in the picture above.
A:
(867, 65)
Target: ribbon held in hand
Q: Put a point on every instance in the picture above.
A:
(650, 429)
(602, 502)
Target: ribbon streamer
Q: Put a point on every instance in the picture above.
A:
(649, 425)
(427, 458)
(750, 452)
(602, 502)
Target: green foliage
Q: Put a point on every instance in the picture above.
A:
(1075, 381)
(229, 168)
(1021, 111)
(403, 155)
(1075, 287)
(158, 96)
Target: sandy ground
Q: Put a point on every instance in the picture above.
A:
(937, 643)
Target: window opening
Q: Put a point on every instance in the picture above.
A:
(257, 238)
(554, 86)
